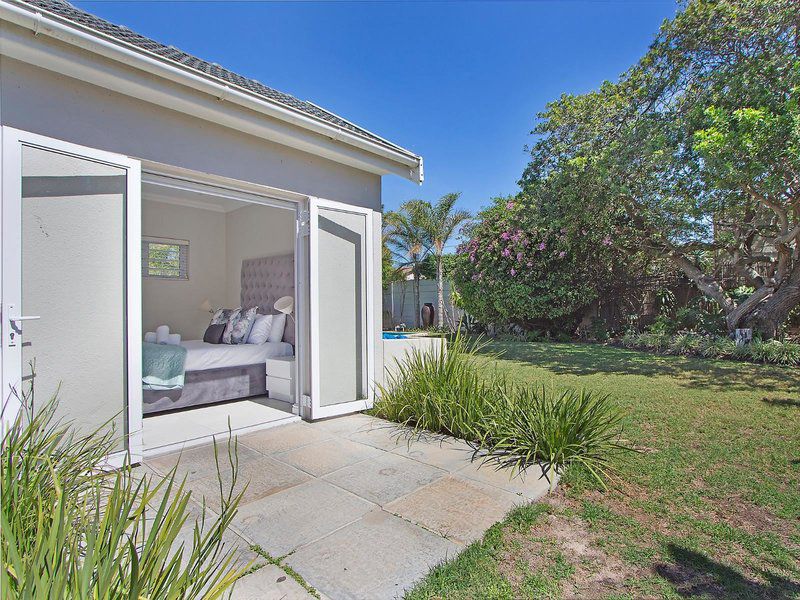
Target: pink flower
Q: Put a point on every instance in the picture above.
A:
(607, 241)
(510, 205)
(530, 263)
(542, 246)
(505, 235)
(562, 254)
(513, 271)
(507, 252)
(519, 256)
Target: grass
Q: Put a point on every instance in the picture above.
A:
(709, 508)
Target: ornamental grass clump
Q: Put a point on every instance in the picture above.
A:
(554, 429)
(73, 529)
(446, 391)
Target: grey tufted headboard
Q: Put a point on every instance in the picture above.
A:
(266, 279)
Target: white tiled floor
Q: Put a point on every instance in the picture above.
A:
(185, 428)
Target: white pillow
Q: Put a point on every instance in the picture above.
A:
(260, 330)
(278, 325)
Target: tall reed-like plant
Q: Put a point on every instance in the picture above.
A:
(445, 390)
(72, 528)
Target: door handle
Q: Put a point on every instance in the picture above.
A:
(14, 320)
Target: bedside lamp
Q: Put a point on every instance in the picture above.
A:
(206, 307)
(285, 305)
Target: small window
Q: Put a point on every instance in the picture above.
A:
(165, 258)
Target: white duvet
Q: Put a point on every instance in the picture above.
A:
(201, 355)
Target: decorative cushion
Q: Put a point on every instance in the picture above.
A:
(227, 337)
(241, 329)
(221, 316)
(214, 333)
(260, 331)
(278, 325)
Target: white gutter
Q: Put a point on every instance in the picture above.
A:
(66, 31)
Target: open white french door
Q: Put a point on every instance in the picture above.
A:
(71, 285)
(341, 297)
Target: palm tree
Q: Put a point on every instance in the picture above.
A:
(438, 223)
(406, 238)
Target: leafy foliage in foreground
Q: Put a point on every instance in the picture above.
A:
(444, 390)
(73, 529)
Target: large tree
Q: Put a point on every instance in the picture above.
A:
(439, 222)
(694, 154)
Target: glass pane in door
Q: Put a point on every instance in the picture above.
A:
(73, 278)
(342, 306)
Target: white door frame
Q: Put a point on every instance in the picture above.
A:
(318, 411)
(11, 275)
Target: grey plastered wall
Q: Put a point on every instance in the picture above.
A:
(44, 102)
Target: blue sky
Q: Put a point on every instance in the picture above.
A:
(458, 82)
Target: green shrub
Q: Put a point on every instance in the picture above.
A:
(716, 347)
(446, 392)
(775, 352)
(73, 529)
(709, 346)
(685, 343)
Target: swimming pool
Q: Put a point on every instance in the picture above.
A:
(390, 335)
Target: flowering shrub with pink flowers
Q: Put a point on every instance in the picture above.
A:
(520, 265)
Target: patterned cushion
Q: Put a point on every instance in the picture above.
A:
(227, 337)
(221, 316)
(241, 329)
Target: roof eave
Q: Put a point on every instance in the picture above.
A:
(405, 163)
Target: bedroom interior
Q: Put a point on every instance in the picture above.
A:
(218, 323)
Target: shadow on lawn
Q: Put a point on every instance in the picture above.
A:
(694, 574)
(591, 359)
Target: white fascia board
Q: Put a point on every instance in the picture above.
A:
(133, 74)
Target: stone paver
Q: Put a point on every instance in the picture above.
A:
(269, 583)
(285, 521)
(378, 556)
(198, 462)
(283, 438)
(443, 452)
(354, 505)
(456, 508)
(328, 456)
(529, 485)
(257, 477)
(385, 478)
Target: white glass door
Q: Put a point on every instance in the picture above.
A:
(71, 291)
(341, 324)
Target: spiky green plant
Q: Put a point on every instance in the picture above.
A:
(72, 528)
(552, 430)
(446, 391)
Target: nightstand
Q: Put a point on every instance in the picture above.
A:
(280, 378)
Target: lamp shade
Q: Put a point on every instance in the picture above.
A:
(285, 305)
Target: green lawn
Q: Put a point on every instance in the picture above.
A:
(710, 508)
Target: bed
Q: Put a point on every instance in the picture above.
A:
(221, 372)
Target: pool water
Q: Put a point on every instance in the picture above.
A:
(390, 335)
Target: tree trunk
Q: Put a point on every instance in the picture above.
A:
(416, 298)
(766, 317)
(440, 293)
